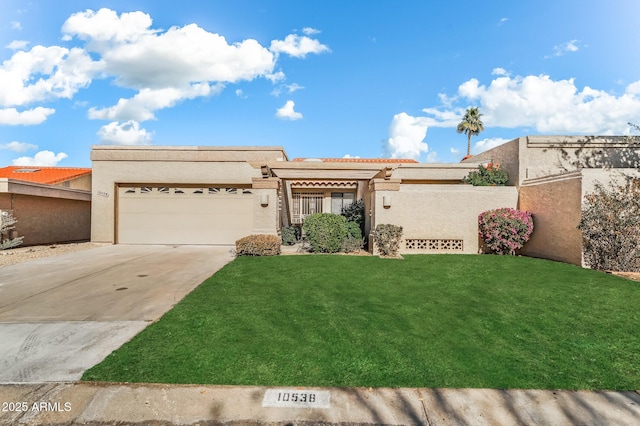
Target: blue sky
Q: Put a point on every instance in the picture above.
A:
(321, 79)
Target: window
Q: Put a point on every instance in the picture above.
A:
(306, 204)
(340, 200)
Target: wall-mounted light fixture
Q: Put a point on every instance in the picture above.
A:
(264, 200)
(386, 201)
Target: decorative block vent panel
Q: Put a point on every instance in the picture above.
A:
(433, 244)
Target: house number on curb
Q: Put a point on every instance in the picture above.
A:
(294, 398)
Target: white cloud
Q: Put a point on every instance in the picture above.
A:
(17, 45)
(442, 118)
(141, 57)
(165, 67)
(447, 100)
(454, 151)
(240, 94)
(350, 156)
(549, 106)
(499, 71)
(142, 106)
(104, 27)
(486, 144)
(16, 146)
(45, 73)
(42, 158)
(15, 25)
(275, 77)
(287, 112)
(432, 157)
(298, 46)
(293, 87)
(162, 67)
(563, 48)
(11, 116)
(289, 88)
(310, 31)
(502, 21)
(406, 136)
(127, 133)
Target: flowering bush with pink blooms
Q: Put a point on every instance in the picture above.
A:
(505, 230)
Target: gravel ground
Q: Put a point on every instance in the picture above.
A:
(24, 254)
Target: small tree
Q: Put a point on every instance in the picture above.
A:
(471, 125)
(610, 226)
(7, 222)
(354, 212)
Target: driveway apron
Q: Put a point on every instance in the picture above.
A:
(61, 315)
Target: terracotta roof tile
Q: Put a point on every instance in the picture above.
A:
(359, 160)
(45, 175)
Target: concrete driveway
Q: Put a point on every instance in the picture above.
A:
(61, 315)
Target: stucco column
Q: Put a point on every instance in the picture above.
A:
(380, 188)
(265, 205)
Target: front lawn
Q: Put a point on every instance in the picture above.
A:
(426, 321)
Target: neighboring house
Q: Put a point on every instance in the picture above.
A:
(552, 175)
(215, 195)
(51, 204)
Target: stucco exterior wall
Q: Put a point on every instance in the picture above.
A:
(428, 211)
(181, 165)
(533, 157)
(108, 174)
(83, 183)
(555, 203)
(550, 155)
(507, 155)
(265, 216)
(47, 220)
(604, 176)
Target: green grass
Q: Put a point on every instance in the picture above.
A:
(425, 321)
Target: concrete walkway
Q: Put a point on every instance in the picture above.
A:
(101, 404)
(61, 315)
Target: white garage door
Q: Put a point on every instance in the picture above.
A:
(180, 215)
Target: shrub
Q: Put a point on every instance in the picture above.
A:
(505, 230)
(387, 238)
(325, 232)
(492, 175)
(258, 245)
(353, 242)
(290, 235)
(353, 230)
(610, 226)
(354, 212)
(7, 232)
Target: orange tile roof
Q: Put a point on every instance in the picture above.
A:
(359, 160)
(46, 175)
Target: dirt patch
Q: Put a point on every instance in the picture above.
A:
(298, 249)
(635, 276)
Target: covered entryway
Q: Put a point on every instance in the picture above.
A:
(183, 215)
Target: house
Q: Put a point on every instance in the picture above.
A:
(51, 204)
(215, 195)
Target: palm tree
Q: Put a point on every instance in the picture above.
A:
(470, 125)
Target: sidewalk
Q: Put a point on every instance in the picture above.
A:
(123, 404)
